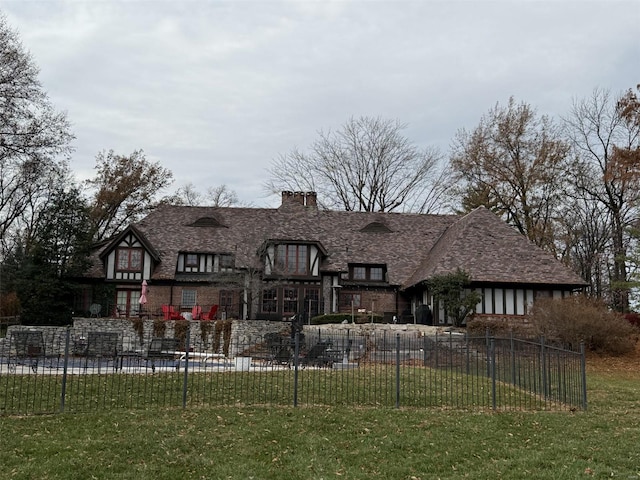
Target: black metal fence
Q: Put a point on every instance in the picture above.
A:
(67, 370)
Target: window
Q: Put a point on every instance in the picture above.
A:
(188, 298)
(290, 296)
(375, 274)
(367, 273)
(128, 302)
(228, 302)
(347, 300)
(359, 273)
(129, 259)
(311, 301)
(292, 259)
(191, 260)
(269, 300)
(226, 263)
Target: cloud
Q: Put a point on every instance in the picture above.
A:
(214, 90)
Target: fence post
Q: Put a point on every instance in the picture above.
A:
(466, 341)
(436, 350)
(543, 367)
(63, 391)
(397, 370)
(185, 381)
(492, 348)
(488, 350)
(513, 359)
(296, 352)
(425, 351)
(583, 368)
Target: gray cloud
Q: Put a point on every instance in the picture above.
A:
(214, 90)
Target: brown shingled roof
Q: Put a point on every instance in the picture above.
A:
(489, 250)
(413, 246)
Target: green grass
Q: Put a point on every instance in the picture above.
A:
(373, 385)
(244, 442)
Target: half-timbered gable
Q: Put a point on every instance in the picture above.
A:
(128, 258)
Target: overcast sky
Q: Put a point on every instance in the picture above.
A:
(215, 90)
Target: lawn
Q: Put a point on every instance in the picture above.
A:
(330, 443)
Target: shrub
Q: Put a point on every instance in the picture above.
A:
(9, 304)
(477, 327)
(633, 318)
(180, 329)
(222, 328)
(138, 326)
(159, 327)
(579, 319)
(359, 318)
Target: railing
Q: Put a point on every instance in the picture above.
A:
(67, 370)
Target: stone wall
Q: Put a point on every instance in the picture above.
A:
(243, 332)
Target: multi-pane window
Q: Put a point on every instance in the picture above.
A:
(290, 297)
(191, 260)
(226, 263)
(359, 273)
(188, 298)
(367, 272)
(376, 274)
(128, 302)
(349, 300)
(227, 302)
(292, 259)
(311, 301)
(129, 259)
(270, 300)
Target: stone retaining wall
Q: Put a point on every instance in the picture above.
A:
(243, 332)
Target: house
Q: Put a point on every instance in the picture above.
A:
(272, 263)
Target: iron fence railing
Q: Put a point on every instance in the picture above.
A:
(72, 370)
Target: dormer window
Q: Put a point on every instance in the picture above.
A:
(367, 273)
(292, 259)
(205, 263)
(226, 263)
(191, 260)
(129, 259)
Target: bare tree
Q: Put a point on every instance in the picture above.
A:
(126, 189)
(606, 136)
(220, 196)
(515, 163)
(366, 165)
(34, 138)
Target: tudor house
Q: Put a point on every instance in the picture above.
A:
(259, 263)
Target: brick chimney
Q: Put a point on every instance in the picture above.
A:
(312, 199)
(303, 199)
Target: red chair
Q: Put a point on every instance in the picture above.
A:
(169, 313)
(196, 312)
(211, 314)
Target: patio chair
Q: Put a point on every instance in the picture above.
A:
(102, 346)
(211, 314)
(163, 351)
(196, 312)
(169, 313)
(95, 309)
(29, 349)
(317, 355)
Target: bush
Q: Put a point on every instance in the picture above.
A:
(477, 327)
(578, 319)
(633, 318)
(341, 317)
